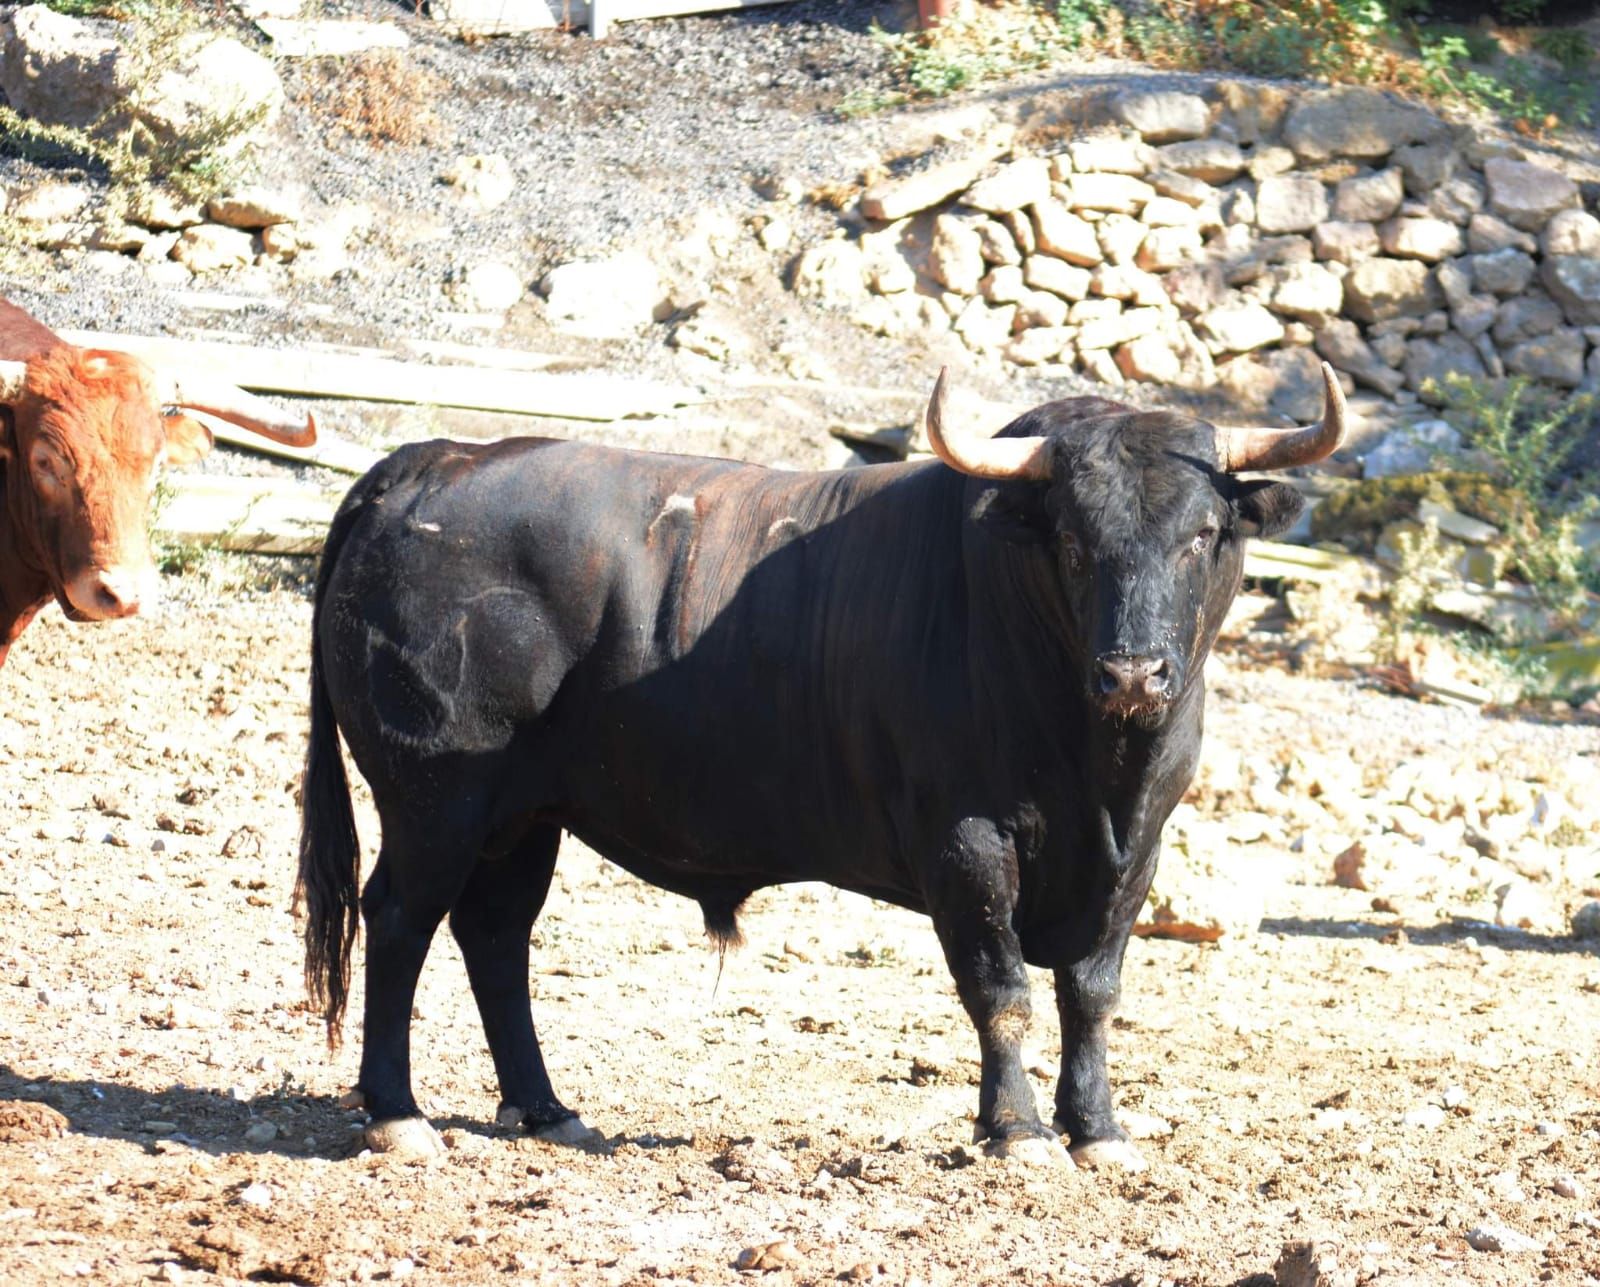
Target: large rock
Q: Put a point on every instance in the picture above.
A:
(1196, 288)
(1487, 233)
(1368, 198)
(1503, 272)
(1307, 291)
(895, 198)
(1047, 273)
(1119, 192)
(210, 247)
(1339, 340)
(56, 69)
(1290, 203)
(1110, 154)
(1162, 116)
(1121, 236)
(955, 255)
(1571, 232)
(1063, 234)
(1524, 316)
(1238, 327)
(1108, 332)
(616, 297)
(1357, 122)
(256, 207)
(1209, 160)
(1377, 289)
(212, 94)
(1525, 195)
(1457, 199)
(1013, 186)
(1428, 361)
(1574, 282)
(1167, 248)
(1127, 282)
(1426, 167)
(1556, 357)
(1427, 239)
(1344, 242)
(1256, 110)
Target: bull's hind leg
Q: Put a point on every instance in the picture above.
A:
(972, 907)
(402, 905)
(492, 921)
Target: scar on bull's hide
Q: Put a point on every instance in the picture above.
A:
(677, 503)
(783, 529)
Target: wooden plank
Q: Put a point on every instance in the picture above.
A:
(490, 17)
(334, 38)
(255, 515)
(569, 396)
(1273, 560)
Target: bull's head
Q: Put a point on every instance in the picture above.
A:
(1144, 519)
(85, 433)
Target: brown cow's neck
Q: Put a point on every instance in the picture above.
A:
(23, 588)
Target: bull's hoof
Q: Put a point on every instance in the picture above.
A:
(1028, 1150)
(569, 1131)
(408, 1139)
(1108, 1155)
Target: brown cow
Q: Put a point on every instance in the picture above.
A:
(83, 433)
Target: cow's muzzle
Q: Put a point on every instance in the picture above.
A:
(1133, 684)
(106, 594)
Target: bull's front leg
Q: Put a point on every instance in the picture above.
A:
(1088, 987)
(972, 899)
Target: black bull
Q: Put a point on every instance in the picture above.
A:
(974, 691)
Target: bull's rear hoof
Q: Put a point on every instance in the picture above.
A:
(571, 1131)
(1029, 1150)
(1098, 1155)
(408, 1139)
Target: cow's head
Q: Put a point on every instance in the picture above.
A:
(1143, 519)
(85, 433)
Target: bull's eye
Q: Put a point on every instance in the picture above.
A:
(49, 470)
(1204, 539)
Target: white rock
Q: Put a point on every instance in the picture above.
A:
(1525, 195)
(895, 198)
(1571, 232)
(1427, 1118)
(210, 87)
(209, 248)
(1344, 242)
(1500, 1238)
(1427, 239)
(48, 203)
(483, 180)
(1569, 1186)
(1109, 332)
(491, 286)
(1120, 237)
(1307, 291)
(1043, 272)
(260, 1133)
(1040, 344)
(1120, 192)
(57, 69)
(1574, 282)
(1013, 186)
(955, 254)
(1167, 248)
(1239, 327)
(1290, 203)
(1063, 234)
(1110, 154)
(256, 1195)
(1411, 449)
(1486, 233)
(1162, 116)
(619, 296)
(1209, 160)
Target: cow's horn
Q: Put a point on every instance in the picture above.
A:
(13, 375)
(1284, 448)
(226, 401)
(978, 456)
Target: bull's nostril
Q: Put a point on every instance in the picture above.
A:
(1111, 679)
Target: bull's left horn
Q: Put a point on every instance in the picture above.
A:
(230, 403)
(978, 456)
(1240, 449)
(13, 375)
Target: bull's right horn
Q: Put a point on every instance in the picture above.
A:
(13, 375)
(978, 456)
(233, 404)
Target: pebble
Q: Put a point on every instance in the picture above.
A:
(1428, 1117)
(1569, 1186)
(260, 1133)
(1498, 1237)
(771, 1255)
(402, 1268)
(158, 1128)
(1552, 1129)
(256, 1195)
(1454, 1097)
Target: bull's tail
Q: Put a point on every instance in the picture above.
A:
(330, 850)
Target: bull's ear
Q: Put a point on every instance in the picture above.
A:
(187, 439)
(1013, 512)
(1266, 508)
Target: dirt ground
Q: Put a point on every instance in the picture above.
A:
(1386, 1080)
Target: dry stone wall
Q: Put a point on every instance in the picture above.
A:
(1227, 241)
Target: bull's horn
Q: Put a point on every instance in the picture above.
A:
(13, 375)
(978, 456)
(1240, 449)
(197, 393)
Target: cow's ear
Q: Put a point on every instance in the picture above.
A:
(187, 439)
(1266, 508)
(1013, 512)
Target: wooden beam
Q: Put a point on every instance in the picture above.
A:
(581, 395)
(331, 453)
(255, 515)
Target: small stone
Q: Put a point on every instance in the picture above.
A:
(1569, 1186)
(492, 286)
(256, 1195)
(1040, 308)
(1457, 200)
(483, 181)
(1112, 331)
(1185, 188)
(1486, 234)
(1574, 282)
(1427, 1118)
(260, 1133)
(1168, 212)
(1426, 166)
(767, 1256)
(1043, 272)
(1556, 357)
(1121, 235)
(1355, 121)
(1586, 921)
(1167, 248)
(1571, 232)
(1368, 198)
(895, 198)
(1345, 242)
(1501, 272)
(1500, 1238)
(48, 203)
(1113, 192)
(1040, 344)
(1064, 235)
(1411, 449)
(1267, 162)
(1310, 1263)
(1307, 291)
(1453, 1097)
(1239, 327)
(996, 244)
(1523, 317)
(1110, 154)
(955, 254)
(210, 247)
(255, 207)
(1377, 289)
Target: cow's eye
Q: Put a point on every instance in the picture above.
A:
(1204, 539)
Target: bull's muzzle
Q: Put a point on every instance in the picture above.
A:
(1129, 684)
(106, 594)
